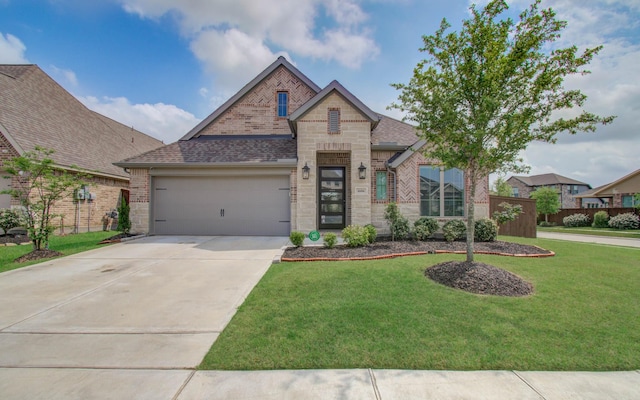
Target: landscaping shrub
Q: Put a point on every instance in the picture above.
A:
(486, 230)
(601, 219)
(398, 224)
(425, 227)
(576, 220)
(454, 229)
(124, 223)
(355, 235)
(546, 224)
(330, 239)
(372, 233)
(297, 238)
(625, 221)
(9, 219)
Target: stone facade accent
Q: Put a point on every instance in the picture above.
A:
(256, 113)
(349, 148)
(139, 186)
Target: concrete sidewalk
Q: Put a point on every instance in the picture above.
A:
(609, 240)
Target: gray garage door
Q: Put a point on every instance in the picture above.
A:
(237, 205)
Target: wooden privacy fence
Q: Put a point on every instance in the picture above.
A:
(557, 218)
(524, 225)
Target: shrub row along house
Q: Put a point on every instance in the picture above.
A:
(36, 111)
(284, 154)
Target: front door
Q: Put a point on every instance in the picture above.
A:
(332, 201)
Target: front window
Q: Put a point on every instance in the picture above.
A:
(628, 201)
(441, 192)
(283, 104)
(381, 185)
(516, 192)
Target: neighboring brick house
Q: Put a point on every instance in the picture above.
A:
(617, 194)
(36, 111)
(567, 188)
(284, 154)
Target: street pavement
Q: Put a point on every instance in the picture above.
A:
(609, 240)
(134, 320)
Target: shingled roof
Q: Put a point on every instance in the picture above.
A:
(548, 179)
(220, 150)
(36, 111)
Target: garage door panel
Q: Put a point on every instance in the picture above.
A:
(221, 205)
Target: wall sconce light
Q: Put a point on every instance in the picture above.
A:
(305, 171)
(362, 171)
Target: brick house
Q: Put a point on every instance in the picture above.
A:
(283, 154)
(617, 194)
(36, 111)
(567, 188)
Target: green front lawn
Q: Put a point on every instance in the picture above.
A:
(633, 234)
(67, 245)
(386, 314)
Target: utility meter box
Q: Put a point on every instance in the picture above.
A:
(79, 194)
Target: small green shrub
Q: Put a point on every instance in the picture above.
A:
(425, 227)
(330, 239)
(454, 229)
(601, 219)
(485, 230)
(124, 223)
(625, 221)
(9, 219)
(355, 236)
(576, 220)
(398, 224)
(297, 238)
(546, 224)
(372, 233)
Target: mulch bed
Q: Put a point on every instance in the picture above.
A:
(14, 240)
(479, 278)
(38, 255)
(118, 238)
(388, 249)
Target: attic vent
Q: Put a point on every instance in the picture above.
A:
(334, 120)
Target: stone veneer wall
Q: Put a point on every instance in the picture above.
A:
(139, 186)
(256, 112)
(314, 141)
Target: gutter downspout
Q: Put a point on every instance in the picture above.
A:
(395, 182)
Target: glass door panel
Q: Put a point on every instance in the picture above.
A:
(331, 202)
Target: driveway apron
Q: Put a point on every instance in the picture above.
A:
(76, 327)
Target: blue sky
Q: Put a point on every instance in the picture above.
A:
(163, 65)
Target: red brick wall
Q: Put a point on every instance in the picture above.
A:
(256, 112)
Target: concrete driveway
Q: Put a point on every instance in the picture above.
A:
(129, 319)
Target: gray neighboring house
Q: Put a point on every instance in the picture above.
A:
(284, 154)
(567, 188)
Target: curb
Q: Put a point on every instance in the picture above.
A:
(121, 240)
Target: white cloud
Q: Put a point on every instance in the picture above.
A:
(12, 50)
(66, 75)
(162, 121)
(236, 38)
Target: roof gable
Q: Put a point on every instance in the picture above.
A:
(605, 190)
(280, 62)
(36, 111)
(336, 87)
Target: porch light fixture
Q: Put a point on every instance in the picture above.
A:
(305, 171)
(362, 171)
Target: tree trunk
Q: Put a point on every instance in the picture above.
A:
(471, 215)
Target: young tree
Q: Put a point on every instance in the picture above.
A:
(547, 201)
(501, 188)
(40, 185)
(489, 90)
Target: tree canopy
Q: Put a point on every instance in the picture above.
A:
(484, 93)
